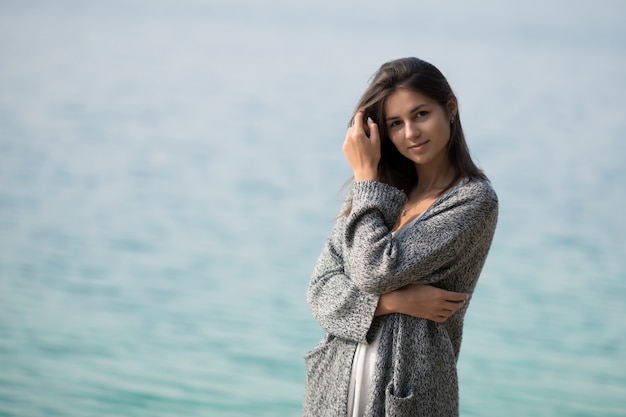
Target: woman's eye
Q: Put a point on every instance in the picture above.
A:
(421, 114)
(394, 124)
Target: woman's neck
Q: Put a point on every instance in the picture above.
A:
(434, 177)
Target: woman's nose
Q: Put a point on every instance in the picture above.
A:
(411, 130)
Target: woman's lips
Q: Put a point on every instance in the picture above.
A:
(418, 146)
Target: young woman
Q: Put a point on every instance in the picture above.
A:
(390, 286)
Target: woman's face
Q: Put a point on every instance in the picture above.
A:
(418, 126)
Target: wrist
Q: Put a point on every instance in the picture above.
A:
(385, 304)
(365, 175)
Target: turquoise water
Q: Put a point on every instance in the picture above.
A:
(170, 170)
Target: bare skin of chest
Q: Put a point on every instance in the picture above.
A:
(414, 208)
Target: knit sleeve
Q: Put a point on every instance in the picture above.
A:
(379, 263)
(336, 303)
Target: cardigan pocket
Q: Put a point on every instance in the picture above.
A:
(400, 406)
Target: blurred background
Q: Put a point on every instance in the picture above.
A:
(169, 171)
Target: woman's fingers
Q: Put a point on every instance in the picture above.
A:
(447, 303)
(362, 151)
(373, 133)
(454, 297)
(451, 307)
(358, 121)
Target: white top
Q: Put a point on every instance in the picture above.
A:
(363, 365)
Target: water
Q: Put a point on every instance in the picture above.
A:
(170, 170)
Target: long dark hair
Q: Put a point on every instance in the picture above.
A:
(420, 76)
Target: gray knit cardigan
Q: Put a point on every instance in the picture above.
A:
(415, 372)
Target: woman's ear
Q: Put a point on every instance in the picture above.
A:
(452, 108)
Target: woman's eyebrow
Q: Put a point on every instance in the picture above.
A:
(413, 110)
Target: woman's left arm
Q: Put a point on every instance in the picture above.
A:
(379, 263)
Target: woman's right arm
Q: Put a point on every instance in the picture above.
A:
(423, 301)
(338, 305)
(344, 310)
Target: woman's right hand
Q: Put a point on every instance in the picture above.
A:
(362, 148)
(423, 301)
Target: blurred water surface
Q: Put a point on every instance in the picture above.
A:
(170, 170)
